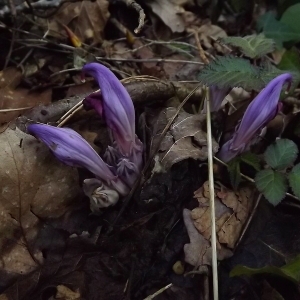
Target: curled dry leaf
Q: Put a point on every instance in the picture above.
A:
(86, 19)
(232, 211)
(32, 180)
(185, 138)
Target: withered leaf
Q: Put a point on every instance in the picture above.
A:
(232, 211)
(169, 11)
(86, 19)
(13, 98)
(198, 251)
(185, 138)
(31, 179)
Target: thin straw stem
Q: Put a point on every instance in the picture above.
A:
(212, 200)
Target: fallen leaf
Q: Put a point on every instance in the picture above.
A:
(170, 12)
(12, 98)
(207, 31)
(32, 180)
(185, 138)
(86, 19)
(232, 211)
(198, 251)
(147, 68)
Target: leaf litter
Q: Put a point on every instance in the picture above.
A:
(80, 255)
(185, 139)
(33, 184)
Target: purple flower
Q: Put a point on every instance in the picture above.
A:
(216, 96)
(116, 107)
(259, 113)
(94, 101)
(73, 150)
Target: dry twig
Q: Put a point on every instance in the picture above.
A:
(201, 51)
(157, 60)
(159, 292)
(140, 11)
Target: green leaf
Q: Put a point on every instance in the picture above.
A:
(290, 271)
(229, 71)
(281, 154)
(291, 17)
(272, 184)
(290, 60)
(294, 180)
(252, 46)
(277, 30)
(251, 159)
(234, 172)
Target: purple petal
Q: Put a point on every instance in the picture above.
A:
(128, 171)
(118, 108)
(216, 96)
(94, 101)
(112, 155)
(72, 149)
(258, 114)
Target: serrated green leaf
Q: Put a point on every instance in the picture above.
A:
(251, 159)
(277, 30)
(290, 271)
(294, 180)
(229, 71)
(234, 172)
(281, 154)
(272, 184)
(252, 46)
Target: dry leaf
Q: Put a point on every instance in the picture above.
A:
(232, 211)
(198, 251)
(208, 30)
(170, 12)
(185, 139)
(241, 203)
(86, 19)
(147, 68)
(65, 293)
(12, 98)
(31, 180)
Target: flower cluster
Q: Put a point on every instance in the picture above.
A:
(259, 113)
(123, 160)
